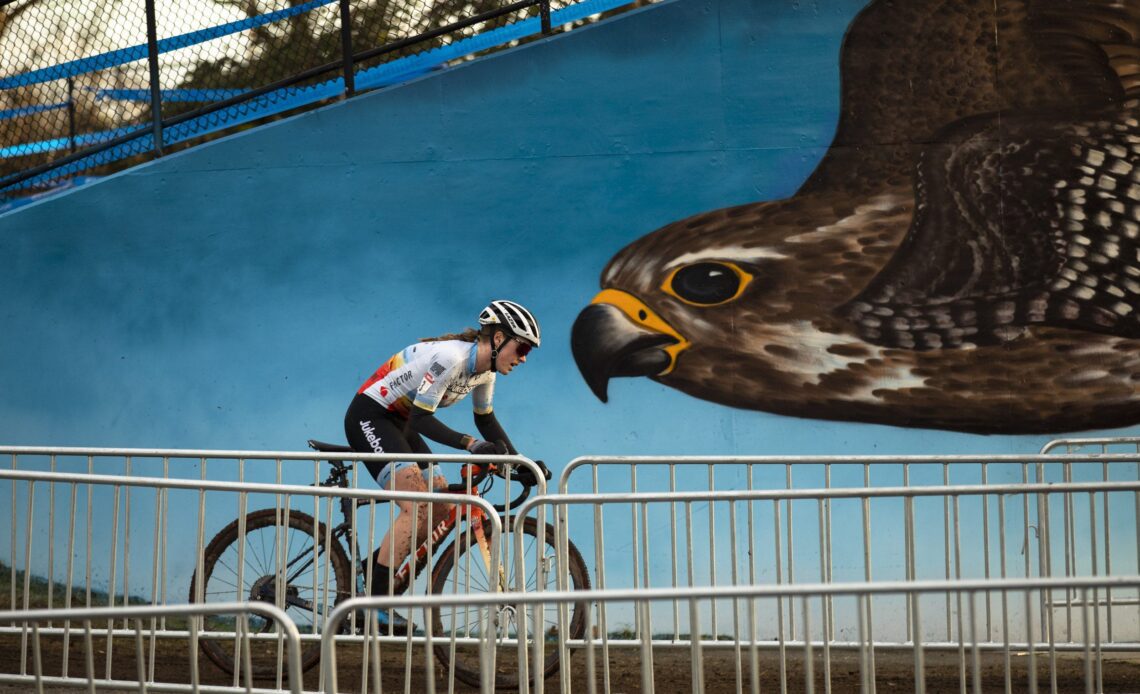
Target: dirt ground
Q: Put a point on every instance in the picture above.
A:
(672, 669)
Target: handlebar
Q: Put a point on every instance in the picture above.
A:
(477, 473)
(480, 473)
(473, 474)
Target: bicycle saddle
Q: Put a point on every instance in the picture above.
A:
(328, 447)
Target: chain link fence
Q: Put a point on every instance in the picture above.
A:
(88, 87)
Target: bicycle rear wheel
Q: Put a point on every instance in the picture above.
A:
(246, 567)
(463, 572)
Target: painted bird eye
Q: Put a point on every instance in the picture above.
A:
(707, 284)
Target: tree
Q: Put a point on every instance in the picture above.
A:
(10, 10)
(35, 34)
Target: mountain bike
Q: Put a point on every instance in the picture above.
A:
(277, 552)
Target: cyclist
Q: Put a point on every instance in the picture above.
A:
(395, 409)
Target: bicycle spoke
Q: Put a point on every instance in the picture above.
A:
(254, 548)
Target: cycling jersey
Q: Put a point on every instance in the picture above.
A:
(430, 375)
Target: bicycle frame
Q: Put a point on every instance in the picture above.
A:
(341, 533)
(442, 530)
(413, 565)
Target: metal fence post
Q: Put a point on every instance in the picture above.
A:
(71, 114)
(152, 60)
(346, 48)
(544, 12)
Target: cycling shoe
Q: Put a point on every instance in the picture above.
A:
(393, 618)
(390, 622)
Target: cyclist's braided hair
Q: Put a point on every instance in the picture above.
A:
(468, 335)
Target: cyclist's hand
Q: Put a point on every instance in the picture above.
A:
(525, 476)
(481, 447)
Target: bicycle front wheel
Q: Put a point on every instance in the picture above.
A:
(461, 571)
(281, 560)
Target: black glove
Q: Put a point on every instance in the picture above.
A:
(524, 475)
(481, 447)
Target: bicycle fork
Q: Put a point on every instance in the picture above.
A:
(485, 550)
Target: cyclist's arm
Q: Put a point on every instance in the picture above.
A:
(491, 430)
(426, 423)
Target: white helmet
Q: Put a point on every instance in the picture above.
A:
(514, 319)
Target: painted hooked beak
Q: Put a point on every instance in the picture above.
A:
(618, 335)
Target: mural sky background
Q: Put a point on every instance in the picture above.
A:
(235, 295)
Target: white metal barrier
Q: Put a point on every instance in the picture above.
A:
(175, 669)
(668, 548)
(282, 543)
(1025, 553)
(595, 474)
(280, 467)
(750, 659)
(122, 512)
(992, 528)
(114, 518)
(1104, 445)
(1064, 532)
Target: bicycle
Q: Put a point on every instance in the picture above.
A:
(316, 575)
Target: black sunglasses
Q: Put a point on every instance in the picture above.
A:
(524, 347)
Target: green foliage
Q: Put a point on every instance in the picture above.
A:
(286, 48)
(628, 633)
(39, 590)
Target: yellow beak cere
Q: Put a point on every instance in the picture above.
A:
(644, 317)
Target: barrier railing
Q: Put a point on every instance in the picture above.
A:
(666, 545)
(89, 517)
(594, 474)
(129, 80)
(220, 465)
(39, 674)
(1103, 445)
(122, 515)
(1071, 518)
(983, 532)
(749, 658)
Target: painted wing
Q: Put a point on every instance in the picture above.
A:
(909, 68)
(1020, 222)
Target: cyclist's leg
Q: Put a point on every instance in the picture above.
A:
(438, 483)
(371, 429)
(394, 548)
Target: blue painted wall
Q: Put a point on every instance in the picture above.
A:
(235, 295)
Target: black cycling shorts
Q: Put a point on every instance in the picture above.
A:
(372, 429)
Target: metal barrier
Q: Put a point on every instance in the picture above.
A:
(279, 467)
(122, 511)
(751, 659)
(662, 474)
(995, 529)
(1109, 444)
(1114, 520)
(252, 546)
(146, 645)
(597, 474)
(667, 546)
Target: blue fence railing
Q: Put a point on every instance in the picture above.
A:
(155, 122)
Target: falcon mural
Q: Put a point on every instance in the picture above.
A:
(964, 257)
